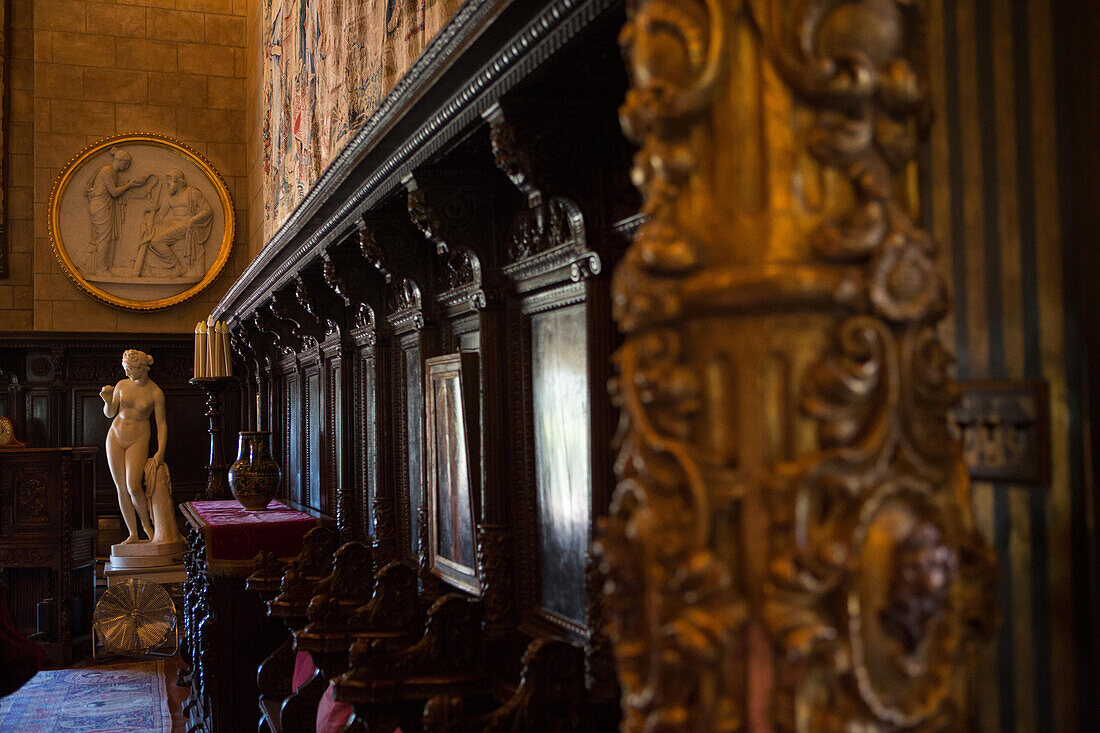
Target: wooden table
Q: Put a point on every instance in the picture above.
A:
(226, 630)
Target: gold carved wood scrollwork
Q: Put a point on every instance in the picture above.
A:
(790, 544)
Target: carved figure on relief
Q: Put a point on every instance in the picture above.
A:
(107, 210)
(174, 230)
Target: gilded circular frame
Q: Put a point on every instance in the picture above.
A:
(180, 219)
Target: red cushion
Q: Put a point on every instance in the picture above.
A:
(303, 670)
(332, 715)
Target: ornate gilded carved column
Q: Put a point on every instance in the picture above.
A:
(790, 544)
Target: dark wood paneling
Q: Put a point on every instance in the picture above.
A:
(53, 398)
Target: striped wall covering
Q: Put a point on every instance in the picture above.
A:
(992, 188)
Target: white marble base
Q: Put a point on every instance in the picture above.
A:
(165, 574)
(147, 554)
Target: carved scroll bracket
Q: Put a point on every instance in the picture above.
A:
(301, 329)
(322, 302)
(348, 279)
(459, 278)
(547, 221)
(278, 330)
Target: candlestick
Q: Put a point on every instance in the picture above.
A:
(217, 485)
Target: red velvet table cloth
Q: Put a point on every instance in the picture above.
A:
(234, 533)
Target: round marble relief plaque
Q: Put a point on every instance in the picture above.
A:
(141, 221)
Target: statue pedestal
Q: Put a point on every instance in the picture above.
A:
(156, 562)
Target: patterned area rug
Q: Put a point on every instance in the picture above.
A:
(113, 698)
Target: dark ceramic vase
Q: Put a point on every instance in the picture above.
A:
(254, 477)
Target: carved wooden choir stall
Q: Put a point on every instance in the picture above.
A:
(432, 333)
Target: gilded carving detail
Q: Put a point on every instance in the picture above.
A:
(857, 556)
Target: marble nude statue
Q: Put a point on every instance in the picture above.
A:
(131, 403)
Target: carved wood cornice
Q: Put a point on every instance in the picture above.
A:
(790, 545)
(374, 162)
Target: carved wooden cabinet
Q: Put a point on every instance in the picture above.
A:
(47, 545)
(226, 630)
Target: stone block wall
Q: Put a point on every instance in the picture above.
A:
(254, 50)
(83, 70)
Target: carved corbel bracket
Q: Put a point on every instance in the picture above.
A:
(281, 337)
(306, 329)
(394, 246)
(356, 280)
(372, 251)
(322, 302)
(247, 357)
(547, 221)
(459, 277)
(260, 344)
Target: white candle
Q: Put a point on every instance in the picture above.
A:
(227, 354)
(258, 421)
(211, 350)
(200, 351)
(195, 368)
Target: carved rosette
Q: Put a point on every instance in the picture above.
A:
(827, 508)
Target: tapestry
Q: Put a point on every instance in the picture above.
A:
(328, 64)
(4, 106)
(118, 697)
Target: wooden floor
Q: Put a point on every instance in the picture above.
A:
(177, 695)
